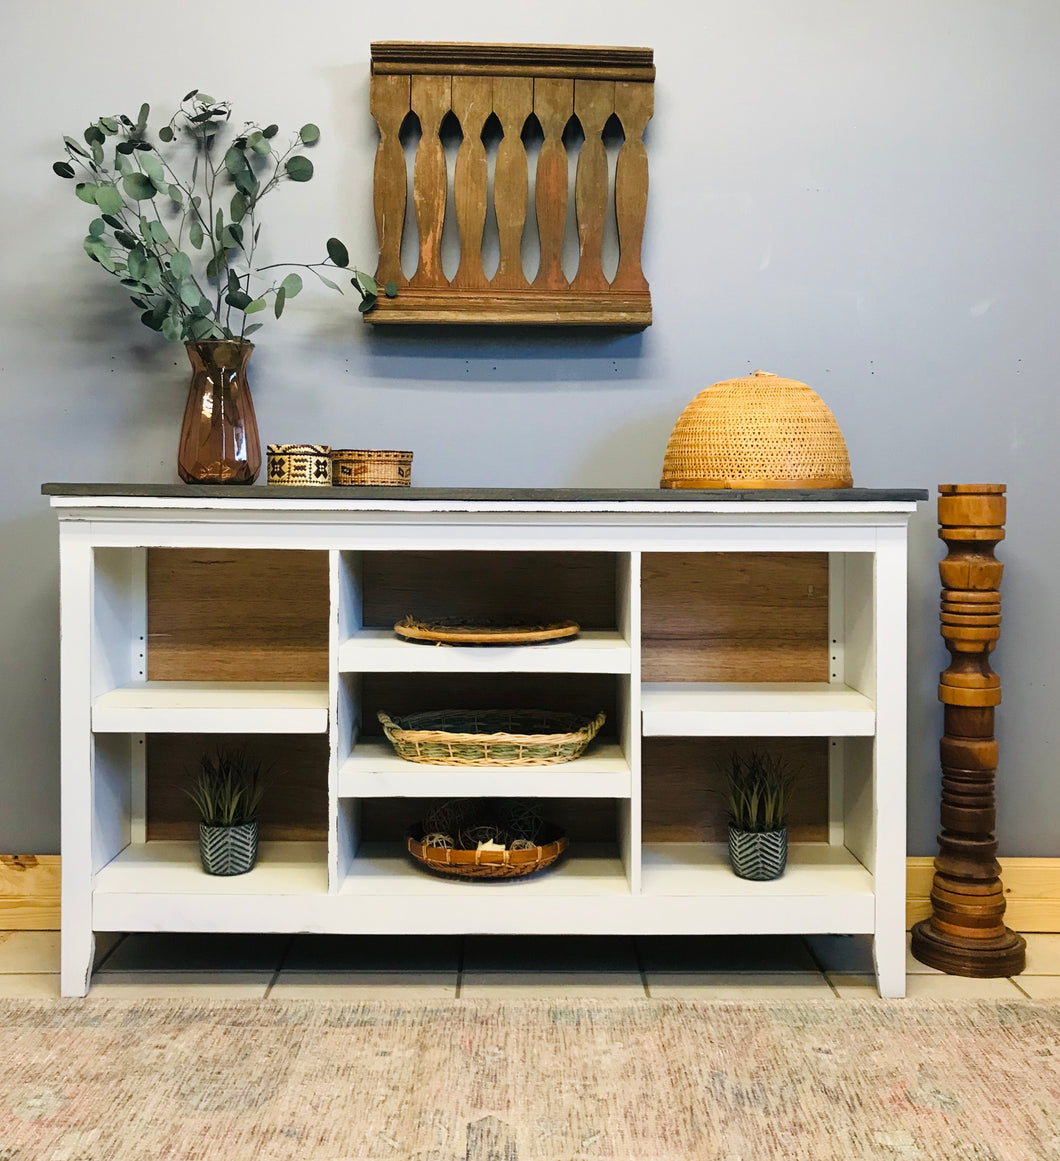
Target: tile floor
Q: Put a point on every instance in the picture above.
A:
(502, 967)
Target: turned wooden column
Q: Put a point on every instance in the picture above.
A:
(966, 934)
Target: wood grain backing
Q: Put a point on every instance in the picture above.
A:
(735, 616)
(417, 307)
(513, 59)
(684, 786)
(295, 805)
(517, 587)
(246, 615)
(406, 693)
(30, 888)
(583, 820)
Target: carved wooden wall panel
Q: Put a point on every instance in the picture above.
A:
(510, 87)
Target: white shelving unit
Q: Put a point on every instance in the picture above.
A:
(115, 879)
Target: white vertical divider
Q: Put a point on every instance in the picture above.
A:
(138, 672)
(76, 755)
(836, 676)
(889, 764)
(345, 570)
(629, 623)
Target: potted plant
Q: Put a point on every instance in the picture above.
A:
(177, 220)
(228, 791)
(758, 790)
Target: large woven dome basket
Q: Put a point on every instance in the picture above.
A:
(757, 432)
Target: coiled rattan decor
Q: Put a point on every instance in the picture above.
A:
(761, 431)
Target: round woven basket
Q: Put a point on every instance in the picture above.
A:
(506, 864)
(757, 432)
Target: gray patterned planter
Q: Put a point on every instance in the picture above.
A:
(758, 854)
(228, 850)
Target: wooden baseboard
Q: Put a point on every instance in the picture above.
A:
(29, 892)
(1032, 892)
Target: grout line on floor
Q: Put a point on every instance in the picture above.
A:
(1013, 980)
(460, 968)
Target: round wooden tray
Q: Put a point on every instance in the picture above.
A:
(504, 864)
(456, 632)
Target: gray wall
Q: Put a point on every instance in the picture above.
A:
(859, 196)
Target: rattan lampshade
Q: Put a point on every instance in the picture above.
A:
(757, 432)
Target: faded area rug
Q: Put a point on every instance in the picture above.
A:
(533, 1080)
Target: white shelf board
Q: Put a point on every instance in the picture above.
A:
(388, 869)
(382, 651)
(374, 770)
(173, 868)
(210, 707)
(749, 709)
(702, 869)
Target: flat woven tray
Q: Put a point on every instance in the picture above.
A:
(458, 632)
(490, 737)
(506, 864)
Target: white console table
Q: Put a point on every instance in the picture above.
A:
(116, 878)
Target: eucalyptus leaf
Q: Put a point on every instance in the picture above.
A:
(150, 319)
(126, 239)
(86, 191)
(96, 228)
(138, 186)
(165, 134)
(299, 168)
(232, 235)
(291, 285)
(72, 145)
(137, 262)
(206, 99)
(171, 328)
(390, 290)
(277, 306)
(252, 328)
(109, 199)
(174, 194)
(189, 294)
(139, 287)
(327, 282)
(309, 133)
(238, 207)
(200, 328)
(239, 299)
(195, 235)
(109, 124)
(219, 224)
(97, 153)
(153, 273)
(247, 183)
(259, 143)
(270, 131)
(180, 266)
(216, 264)
(122, 164)
(255, 306)
(124, 147)
(338, 253)
(368, 283)
(235, 162)
(150, 164)
(159, 234)
(188, 96)
(366, 304)
(94, 135)
(141, 120)
(64, 169)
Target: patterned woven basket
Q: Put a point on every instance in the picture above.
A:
(490, 737)
(352, 466)
(300, 463)
(758, 432)
(506, 864)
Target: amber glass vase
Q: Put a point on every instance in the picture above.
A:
(219, 436)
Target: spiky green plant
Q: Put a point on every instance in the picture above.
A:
(758, 791)
(228, 788)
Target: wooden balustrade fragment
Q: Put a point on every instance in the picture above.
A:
(966, 934)
(553, 83)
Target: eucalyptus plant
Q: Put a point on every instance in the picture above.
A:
(758, 790)
(178, 217)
